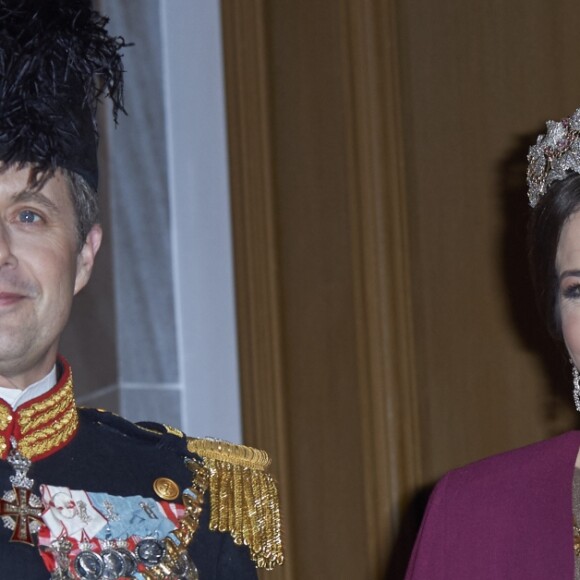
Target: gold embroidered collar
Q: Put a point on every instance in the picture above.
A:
(43, 425)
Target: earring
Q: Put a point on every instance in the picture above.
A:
(576, 383)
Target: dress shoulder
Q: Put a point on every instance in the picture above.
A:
(507, 516)
(529, 463)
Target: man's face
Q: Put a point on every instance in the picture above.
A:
(41, 269)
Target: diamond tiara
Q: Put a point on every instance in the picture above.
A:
(553, 155)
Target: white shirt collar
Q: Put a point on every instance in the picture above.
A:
(16, 397)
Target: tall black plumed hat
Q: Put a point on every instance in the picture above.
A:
(56, 62)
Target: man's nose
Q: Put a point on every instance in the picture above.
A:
(7, 258)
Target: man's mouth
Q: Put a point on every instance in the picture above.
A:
(9, 298)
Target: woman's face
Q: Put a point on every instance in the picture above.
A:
(568, 271)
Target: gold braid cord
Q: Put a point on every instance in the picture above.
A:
(244, 498)
(175, 556)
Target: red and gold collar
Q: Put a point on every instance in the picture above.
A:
(43, 425)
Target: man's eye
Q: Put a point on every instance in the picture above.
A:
(28, 217)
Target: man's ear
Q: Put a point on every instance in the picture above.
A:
(86, 257)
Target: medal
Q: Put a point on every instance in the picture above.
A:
(20, 509)
(149, 552)
(185, 569)
(129, 562)
(61, 548)
(114, 564)
(89, 565)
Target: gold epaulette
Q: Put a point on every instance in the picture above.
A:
(244, 498)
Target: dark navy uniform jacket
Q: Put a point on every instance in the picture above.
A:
(109, 454)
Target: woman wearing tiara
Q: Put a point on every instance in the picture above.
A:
(515, 515)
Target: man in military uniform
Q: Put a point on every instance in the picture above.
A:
(84, 493)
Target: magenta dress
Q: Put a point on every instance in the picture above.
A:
(509, 516)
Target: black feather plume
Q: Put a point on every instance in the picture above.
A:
(56, 63)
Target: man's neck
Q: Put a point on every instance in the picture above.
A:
(16, 397)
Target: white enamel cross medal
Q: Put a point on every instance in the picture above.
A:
(20, 509)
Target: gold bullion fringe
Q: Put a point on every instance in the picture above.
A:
(244, 498)
(177, 542)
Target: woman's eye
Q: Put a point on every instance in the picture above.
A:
(28, 217)
(572, 291)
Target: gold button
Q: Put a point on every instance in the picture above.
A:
(166, 488)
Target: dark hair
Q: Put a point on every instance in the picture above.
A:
(547, 220)
(85, 203)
